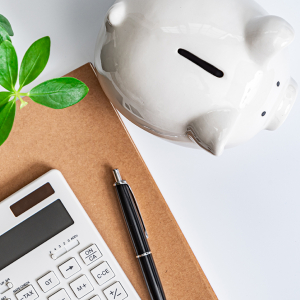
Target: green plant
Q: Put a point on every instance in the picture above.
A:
(56, 93)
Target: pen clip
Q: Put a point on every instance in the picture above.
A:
(139, 212)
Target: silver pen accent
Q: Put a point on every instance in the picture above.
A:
(144, 254)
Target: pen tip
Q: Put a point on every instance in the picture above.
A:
(117, 175)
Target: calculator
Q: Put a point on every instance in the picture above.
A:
(50, 249)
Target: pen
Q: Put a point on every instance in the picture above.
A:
(138, 234)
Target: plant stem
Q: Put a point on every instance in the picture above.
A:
(23, 103)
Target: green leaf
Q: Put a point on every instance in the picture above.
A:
(4, 36)
(4, 97)
(8, 66)
(7, 116)
(59, 92)
(34, 61)
(6, 25)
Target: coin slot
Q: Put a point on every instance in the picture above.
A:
(201, 63)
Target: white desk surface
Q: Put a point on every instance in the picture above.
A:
(239, 212)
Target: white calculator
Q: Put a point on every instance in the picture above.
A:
(50, 249)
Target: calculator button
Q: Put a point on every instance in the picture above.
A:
(69, 246)
(95, 298)
(69, 268)
(28, 293)
(90, 254)
(103, 273)
(81, 286)
(48, 282)
(60, 295)
(115, 292)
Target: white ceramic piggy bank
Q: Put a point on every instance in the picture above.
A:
(213, 72)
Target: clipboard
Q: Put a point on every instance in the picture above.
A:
(85, 142)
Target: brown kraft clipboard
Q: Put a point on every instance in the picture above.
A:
(85, 142)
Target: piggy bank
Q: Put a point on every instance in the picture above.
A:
(209, 72)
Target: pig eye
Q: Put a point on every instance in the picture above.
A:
(278, 83)
(201, 63)
(263, 114)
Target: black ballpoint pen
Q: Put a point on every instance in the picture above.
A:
(138, 234)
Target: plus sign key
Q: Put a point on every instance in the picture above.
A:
(81, 287)
(28, 293)
(115, 292)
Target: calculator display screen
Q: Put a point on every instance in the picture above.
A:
(33, 232)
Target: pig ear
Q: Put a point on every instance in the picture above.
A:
(268, 35)
(283, 106)
(212, 130)
(117, 14)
